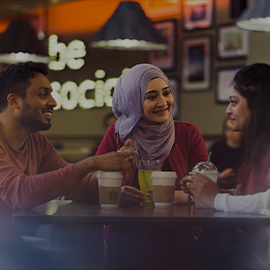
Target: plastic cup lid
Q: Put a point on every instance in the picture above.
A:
(102, 174)
(199, 167)
(164, 175)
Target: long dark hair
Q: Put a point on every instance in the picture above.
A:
(253, 83)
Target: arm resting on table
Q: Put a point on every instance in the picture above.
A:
(258, 203)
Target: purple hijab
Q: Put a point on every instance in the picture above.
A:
(151, 140)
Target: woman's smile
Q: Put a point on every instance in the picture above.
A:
(162, 112)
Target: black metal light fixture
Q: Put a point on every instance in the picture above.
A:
(129, 29)
(256, 17)
(19, 43)
(237, 7)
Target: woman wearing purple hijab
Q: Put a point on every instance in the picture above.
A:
(143, 104)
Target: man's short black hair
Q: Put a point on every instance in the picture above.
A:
(16, 79)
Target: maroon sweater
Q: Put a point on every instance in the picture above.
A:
(188, 148)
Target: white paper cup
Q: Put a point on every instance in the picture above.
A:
(163, 188)
(109, 184)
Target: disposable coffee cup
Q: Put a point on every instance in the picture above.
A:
(163, 188)
(211, 171)
(109, 185)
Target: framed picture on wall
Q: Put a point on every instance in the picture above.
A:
(165, 60)
(224, 79)
(232, 42)
(198, 14)
(196, 69)
(174, 82)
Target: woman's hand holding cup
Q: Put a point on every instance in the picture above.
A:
(200, 186)
(130, 195)
(150, 194)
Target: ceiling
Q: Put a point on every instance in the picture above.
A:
(16, 7)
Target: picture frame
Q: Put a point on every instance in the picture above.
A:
(174, 83)
(197, 64)
(165, 60)
(232, 42)
(224, 79)
(198, 14)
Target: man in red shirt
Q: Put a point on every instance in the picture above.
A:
(31, 171)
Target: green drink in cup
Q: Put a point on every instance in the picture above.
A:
(146, 167)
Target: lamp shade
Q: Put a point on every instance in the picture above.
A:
(19, 43)
(129, 29)
(256, 17)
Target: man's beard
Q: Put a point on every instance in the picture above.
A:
(29, 119)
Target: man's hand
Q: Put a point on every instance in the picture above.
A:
(113, 161)
(131, 159)
(116, 161)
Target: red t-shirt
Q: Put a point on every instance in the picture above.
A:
(36, 174)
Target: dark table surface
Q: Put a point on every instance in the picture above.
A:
(68, 212)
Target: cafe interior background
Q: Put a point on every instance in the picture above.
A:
(201, 32)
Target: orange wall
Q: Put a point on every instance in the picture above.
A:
(89, 16)
(80, 16)
(4, 23)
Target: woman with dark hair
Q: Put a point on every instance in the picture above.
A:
(249, 112)
(227, 155)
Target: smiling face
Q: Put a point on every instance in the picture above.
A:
(238, 111)
(37, 107)
(158, 101)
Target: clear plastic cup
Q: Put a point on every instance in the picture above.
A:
(146, 167)
(211, 171)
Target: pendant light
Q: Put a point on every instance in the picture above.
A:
(129, 29)
(19, 43)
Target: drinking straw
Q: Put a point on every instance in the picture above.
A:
(207, 163)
